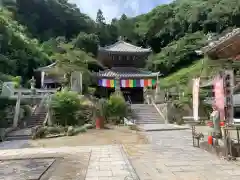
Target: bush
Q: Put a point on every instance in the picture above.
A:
(85, 114)
(65, 106)
(88, 126)
(74, 131)
(17, 81)
(27, 110)
(91, 90)
(55, 130)
(39, 132)
(117, 107)
(78, 130)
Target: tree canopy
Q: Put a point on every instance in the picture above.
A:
(31, 30)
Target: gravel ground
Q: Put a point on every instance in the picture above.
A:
(113, 135)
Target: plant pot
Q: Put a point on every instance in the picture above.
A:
(99, 122)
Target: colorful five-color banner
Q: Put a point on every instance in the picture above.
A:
(127, 83)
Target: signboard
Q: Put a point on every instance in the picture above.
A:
(219, 96)
(195, 95)
(228, 87)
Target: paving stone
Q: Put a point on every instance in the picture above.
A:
(172, 155)
(24, 168)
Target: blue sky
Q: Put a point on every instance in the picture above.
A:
(115, 8)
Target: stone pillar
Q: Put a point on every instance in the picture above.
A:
(17, 110)
(42, 79)
(49, 120)
(117, 85)
(157, 93)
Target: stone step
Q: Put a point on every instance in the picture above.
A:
(149, 122)
(148, 114)
(12, 138)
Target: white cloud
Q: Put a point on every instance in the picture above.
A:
(110, 8)
(115, 8)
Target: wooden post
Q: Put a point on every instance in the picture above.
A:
(17, 110)
(166, 119)
(81, 83)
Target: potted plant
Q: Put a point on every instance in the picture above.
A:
(101, 113)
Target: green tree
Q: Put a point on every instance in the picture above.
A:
(100, 18)
(87, 42)
(71, 59)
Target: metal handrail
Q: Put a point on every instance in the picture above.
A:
(129, 99)
(42, 102)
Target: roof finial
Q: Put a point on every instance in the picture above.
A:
(120, 38)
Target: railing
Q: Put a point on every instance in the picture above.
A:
(9, 91)
(129, 100)
(42, 103)
(151, 101)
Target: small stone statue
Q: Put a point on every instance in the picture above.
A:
(32, 83)
(215, 117)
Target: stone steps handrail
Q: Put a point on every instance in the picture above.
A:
(158, 110)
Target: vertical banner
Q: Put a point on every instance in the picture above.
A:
(219, 96)
(195, 95)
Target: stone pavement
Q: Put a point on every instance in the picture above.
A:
(71, 163)
(162, 127)
(16, 144)
(171, 156)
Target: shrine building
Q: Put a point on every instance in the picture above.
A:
(124, 63)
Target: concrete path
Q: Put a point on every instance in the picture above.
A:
(171, 156)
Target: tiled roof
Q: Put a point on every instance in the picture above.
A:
(46, 67)
(214, 44)
(126, 72)
(122, 46)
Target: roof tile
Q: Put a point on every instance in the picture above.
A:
(122, 46)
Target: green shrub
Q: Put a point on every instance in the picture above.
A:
(27, 110)
(80, 129)
(85, 114)
(91, 90)
(76, 130)
(117, 107)
(65, 106)
(88, 126)
(17, 81)
(55, 129)
(39, 132)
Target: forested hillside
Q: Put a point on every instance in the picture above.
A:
(31, 31)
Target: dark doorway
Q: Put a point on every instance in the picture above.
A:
(134, 95)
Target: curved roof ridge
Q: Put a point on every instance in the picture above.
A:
(122, 46)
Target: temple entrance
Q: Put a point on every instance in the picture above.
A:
(134, 95)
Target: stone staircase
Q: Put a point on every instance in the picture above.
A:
(146, 114)
(24, 133)
(37, 118)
